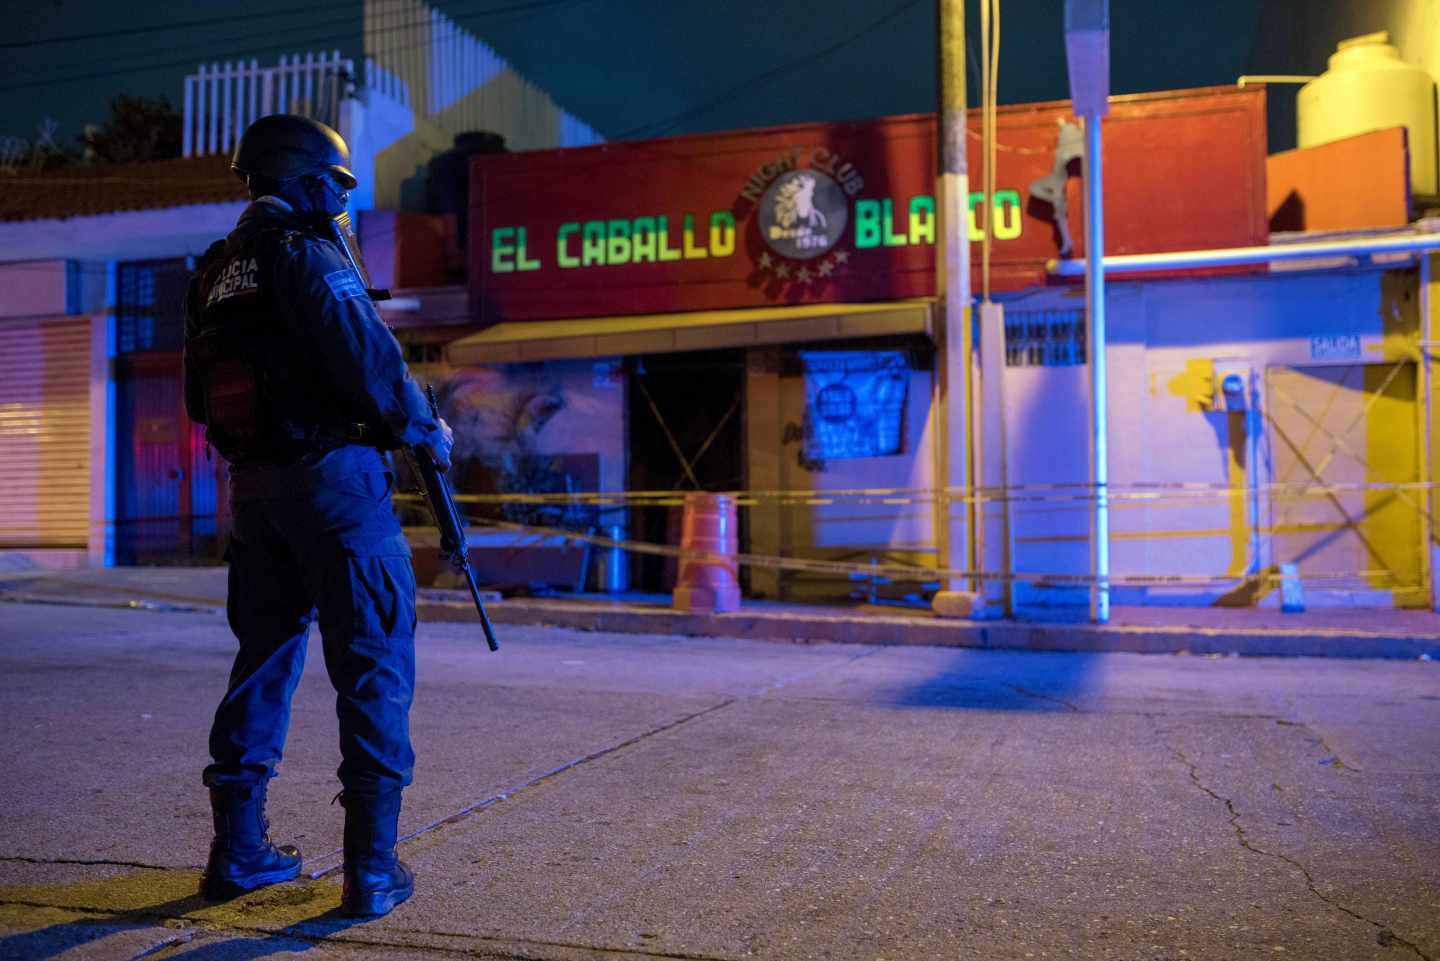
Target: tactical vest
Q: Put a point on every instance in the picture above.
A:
(266, 402)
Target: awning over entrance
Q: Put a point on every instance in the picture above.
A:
(523, 341)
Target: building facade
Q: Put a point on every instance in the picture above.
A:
(98, 464)
(757, 312)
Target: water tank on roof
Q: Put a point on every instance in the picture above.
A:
(447, 180)
(1368, 87)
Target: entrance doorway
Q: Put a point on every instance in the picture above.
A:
(167, 492)
(1351, 434)
(685, 427)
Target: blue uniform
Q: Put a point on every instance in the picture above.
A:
(310, 491)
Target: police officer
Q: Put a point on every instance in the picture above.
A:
(302, 389)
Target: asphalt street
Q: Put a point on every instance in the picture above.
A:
(588, 796)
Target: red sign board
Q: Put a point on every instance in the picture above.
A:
(829, 213)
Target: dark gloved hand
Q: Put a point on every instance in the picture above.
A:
(439, 444)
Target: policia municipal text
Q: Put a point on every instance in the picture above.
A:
(301, 388)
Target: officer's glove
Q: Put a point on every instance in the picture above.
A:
(440, 442)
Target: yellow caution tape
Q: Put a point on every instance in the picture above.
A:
(905, 572)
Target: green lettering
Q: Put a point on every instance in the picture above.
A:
(1008, 223)
(892, 239)
(867, 223)
(522, 260)
(722, 233)
(593, 244)
(562, 245)
(976, 234)
(501, 248)
(691, 251)
(667, 253)
(617, 242)
(922, 220)
(643, 234)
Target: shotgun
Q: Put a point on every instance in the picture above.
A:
(453, 548)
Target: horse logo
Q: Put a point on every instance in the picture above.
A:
(803, 214)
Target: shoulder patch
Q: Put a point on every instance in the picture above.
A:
(239, 277)
(344, 284)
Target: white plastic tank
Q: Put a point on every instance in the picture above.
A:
(1368, 87)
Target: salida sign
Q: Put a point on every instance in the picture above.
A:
(821, 213)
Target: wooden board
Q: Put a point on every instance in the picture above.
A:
(1358, 183)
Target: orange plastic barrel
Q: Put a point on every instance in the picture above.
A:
(709, 583)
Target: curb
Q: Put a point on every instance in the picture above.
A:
(899, 631)
(873, 629)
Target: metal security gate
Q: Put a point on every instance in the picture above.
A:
(1346, 505)
(167, 494)
(684, 428)
(45, 432)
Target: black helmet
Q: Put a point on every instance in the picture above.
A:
(283, 145)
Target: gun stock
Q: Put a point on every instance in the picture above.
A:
(449, 522)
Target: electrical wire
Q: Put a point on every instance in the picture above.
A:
(989, 125)
(140, 63)
(985, 141)
(250, 18)
(178, 25)
(134, 62)
(655, 128)
(658, 127)
(330, 36)
(991, 159)
(134, 59)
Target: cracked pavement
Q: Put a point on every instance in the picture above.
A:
(587, 796)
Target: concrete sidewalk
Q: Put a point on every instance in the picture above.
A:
(1335, 632)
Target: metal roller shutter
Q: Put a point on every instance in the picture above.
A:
(45, 432)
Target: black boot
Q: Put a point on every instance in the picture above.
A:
(375, 879)
(241, 856)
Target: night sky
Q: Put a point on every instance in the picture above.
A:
(630, 68)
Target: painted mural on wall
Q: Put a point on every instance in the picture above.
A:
(854, 403)
(529, 428)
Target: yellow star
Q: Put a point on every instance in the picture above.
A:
(841, 256)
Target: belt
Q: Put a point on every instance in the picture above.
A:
(254, 480)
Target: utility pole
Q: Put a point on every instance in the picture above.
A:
(1087, 55)
(953, 279)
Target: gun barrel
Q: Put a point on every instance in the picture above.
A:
(450, 524)
(480, 609)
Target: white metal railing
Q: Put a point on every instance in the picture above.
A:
(385, 83)
(221, 100)
(415, 57)
(448, 72)
(575, 132)
(459, 61)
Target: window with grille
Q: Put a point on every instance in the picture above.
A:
(1044, 338)
(150, 304)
